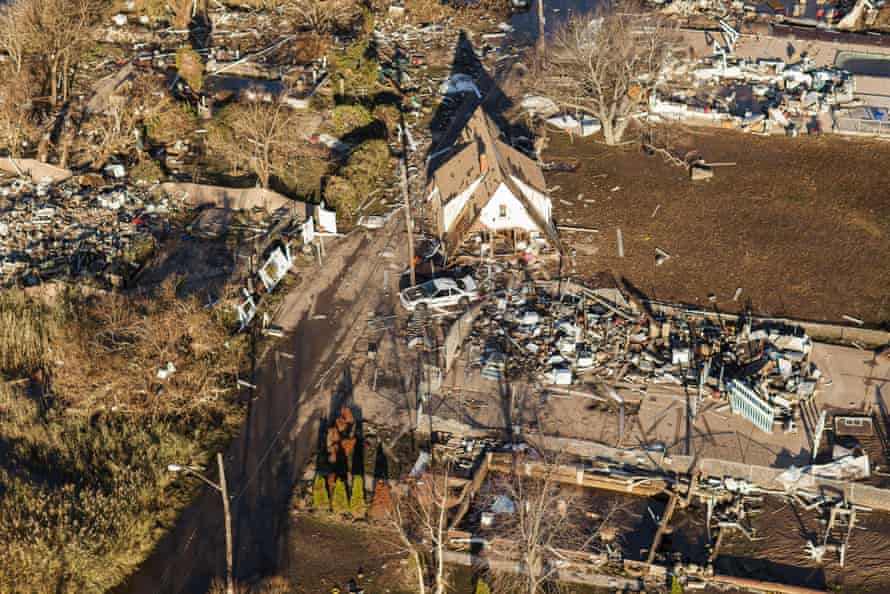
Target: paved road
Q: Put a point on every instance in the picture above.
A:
(295, 390)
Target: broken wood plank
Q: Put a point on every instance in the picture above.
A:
(577, 229)
(662, 527)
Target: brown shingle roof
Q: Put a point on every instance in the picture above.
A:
(476, 145)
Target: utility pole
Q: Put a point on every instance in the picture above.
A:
(224, 491)
(403, 132)
(541, 45)
(405, 196)
(408, 220)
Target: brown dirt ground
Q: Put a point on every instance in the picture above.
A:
(329, 553)
(802, 225)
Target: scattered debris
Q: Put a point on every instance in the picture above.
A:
(853, 320)
(167, 371)
(72, 231)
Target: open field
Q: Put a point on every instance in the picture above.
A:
(330, 553)
(801, 225)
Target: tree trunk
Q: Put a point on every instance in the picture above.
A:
(64, 151)
(531, 566)
(541, 44)
(43, 147)
(65, 66)
(440, 569)
(266, 166)
(620, 127)
(608, 131)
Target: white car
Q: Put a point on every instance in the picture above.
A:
(439, 293)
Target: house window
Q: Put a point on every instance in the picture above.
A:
(503, 211)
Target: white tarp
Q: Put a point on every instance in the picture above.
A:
(848, 468)
(586, 126)
(327, 220)
(786, 342)
(276, 267)
(536, 104)
(421, 464)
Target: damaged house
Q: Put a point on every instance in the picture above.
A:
(486, 195)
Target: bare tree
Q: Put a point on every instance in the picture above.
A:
(398, 519)
(12, 37)
(55, 34)
(182, 12)
(322, 16)
(17, 124)
(116, 129)
(547, 521)
(608, 63)
(112, 132)
(262, 135)
(420, 517)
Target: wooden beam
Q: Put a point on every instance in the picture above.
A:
(470, 491)
(644, 486)
(662, 527)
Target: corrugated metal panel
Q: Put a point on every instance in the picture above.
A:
(745, 401)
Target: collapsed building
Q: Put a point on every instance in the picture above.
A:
(69, 231)
(769, 83)
(561, 336)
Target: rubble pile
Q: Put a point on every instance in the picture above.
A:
(758, 95)
(464, 453)
(75, 232)
(574, 335)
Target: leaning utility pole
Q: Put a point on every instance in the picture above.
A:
(407, 200)
(224, 491)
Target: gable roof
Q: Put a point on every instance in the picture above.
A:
(474, 150)
(452, 167)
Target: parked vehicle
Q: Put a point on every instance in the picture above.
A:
(440, 292)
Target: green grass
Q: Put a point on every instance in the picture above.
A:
(357, 67)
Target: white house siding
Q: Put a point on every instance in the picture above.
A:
(516, 216)
(539, 201)
(452, 209)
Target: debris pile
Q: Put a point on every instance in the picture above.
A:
(465, 453)
(72, 231)
(758, 95)
(568, 334)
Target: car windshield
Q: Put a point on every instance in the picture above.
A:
(467, 284)
(428, 289)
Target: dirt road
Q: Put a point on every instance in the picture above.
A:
(299, 382)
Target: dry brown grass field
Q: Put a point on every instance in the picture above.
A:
(801, 225)
(87, 429)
